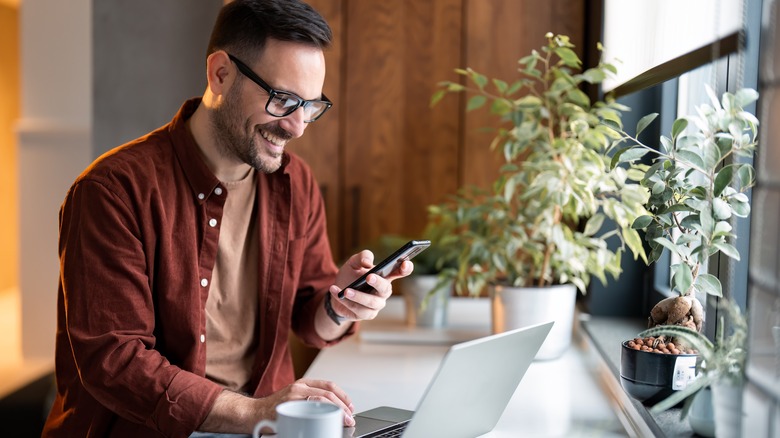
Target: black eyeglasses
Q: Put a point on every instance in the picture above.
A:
(282, 103)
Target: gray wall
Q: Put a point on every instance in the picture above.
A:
(148, 57)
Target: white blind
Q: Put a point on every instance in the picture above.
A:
(641, 34)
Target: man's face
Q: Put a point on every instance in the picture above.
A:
(244, 130)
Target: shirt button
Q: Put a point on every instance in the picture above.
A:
(202, 338)
(201, 196)
(218, 190)
(204, 282)
(213, 222)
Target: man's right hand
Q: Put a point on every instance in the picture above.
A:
(236, 413)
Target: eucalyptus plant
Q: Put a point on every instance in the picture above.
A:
(558, 198)
(697, 185)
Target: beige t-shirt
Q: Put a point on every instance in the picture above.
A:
(231, 308)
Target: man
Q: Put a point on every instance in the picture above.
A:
(187, 255)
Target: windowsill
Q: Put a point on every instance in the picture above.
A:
(606, 335)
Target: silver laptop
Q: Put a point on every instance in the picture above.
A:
(468, 393)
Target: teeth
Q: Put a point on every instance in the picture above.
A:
(273, 139)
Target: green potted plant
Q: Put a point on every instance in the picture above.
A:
(558, 200)
(697, 185)
(696, 188)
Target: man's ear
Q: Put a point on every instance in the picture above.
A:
(220, 72)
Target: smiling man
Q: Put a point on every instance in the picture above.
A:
(189, 255)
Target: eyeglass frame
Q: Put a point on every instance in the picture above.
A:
(252, 76)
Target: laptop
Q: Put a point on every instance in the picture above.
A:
(469, 392)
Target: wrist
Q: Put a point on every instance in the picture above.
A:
(335, 317)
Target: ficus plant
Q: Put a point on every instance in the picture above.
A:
(558, 198)
(697, 186)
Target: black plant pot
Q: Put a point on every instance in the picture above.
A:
(651, 377)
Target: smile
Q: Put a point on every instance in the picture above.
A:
(276, 141)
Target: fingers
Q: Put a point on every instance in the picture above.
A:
(358, 305)
(327, 392)
(405, 269)
(362, 260)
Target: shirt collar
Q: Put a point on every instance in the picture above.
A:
(202, 181)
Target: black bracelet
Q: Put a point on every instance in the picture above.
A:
(332, 313)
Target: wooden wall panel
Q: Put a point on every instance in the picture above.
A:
(372, 164)
(399, 155)
(499, 33)
(382, 154)
(320, 146)
(432, 33)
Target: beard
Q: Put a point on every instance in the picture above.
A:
(239, 142)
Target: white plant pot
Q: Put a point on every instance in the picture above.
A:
(515, 307)
(727, 408)
(421, 310)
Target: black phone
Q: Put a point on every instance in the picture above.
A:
(386, 266)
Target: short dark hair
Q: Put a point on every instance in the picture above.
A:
(243, 26)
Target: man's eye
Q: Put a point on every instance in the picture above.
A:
(285, 101)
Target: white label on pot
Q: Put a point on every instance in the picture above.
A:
(684, 372)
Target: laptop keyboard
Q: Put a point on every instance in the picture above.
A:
(395, 432)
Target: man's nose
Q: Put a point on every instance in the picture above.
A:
(293, 123)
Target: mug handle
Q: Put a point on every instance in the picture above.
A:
(262, 424)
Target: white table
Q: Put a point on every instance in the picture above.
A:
(389, 364)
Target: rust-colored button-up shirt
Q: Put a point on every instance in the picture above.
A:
(137, 248)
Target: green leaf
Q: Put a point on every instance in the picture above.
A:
(633, 154)
(706, 220)
(666, 243)
(723, 178)
(437, 96)
(453, 86)
(739, 208)
(501, 107)
(594, 224)
(721, 209)
(690, 158)
(745, 97)
(644, 122)
(712, 154)
(514, 87)
(479, 79)
(642, 222)
(710, 284)
(746, 175)
(500, 85)
(678, 396)
(727, 249)
(568, 56)
(475, 102)
(634, 242)
(666, 145)
(679, 126)
(528, 102)
(578, 97)
(682, 278)
(594, 76)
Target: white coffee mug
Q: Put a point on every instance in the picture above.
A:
(305, 419)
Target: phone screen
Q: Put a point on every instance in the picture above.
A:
(386, 266)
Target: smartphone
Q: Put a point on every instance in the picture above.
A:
(386, 266)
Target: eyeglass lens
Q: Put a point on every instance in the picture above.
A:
(281, 104)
